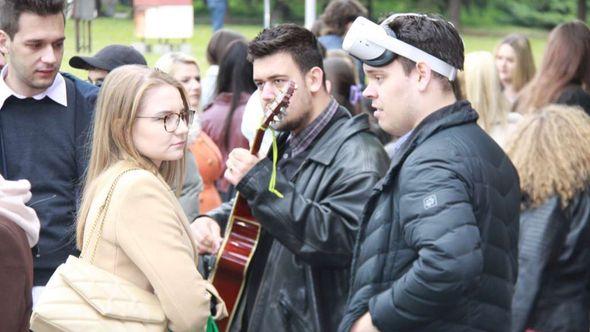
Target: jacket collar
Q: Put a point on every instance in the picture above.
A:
(453, 115)
(327, 146)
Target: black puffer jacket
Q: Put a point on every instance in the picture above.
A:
(305, 281)
(554, 267)
(437, 249)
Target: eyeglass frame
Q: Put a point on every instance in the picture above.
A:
(189, 112)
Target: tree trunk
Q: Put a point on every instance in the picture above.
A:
(455, 13)
(582, 10)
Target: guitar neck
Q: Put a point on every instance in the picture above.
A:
(257, 143)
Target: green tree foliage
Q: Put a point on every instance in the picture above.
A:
(537, 13)
(530, 13)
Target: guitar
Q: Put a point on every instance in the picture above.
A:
(243, 231)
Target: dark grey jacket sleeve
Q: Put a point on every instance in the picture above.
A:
(320, 232)
(438, 222)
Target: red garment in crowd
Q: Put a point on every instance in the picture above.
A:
(213, 123)
(16, 278)
(208, 158)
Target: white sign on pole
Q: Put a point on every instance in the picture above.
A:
(310, 13)
(169, 22)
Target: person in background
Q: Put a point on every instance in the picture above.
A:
(551, 151)
(2, 61)
(564, 74)
(217, 9)
(480, 85)
(44, 124)
(515, 64)
(185, 69)
(19, 232)
(139, 139)
(216, 48)
(105, 60)
(222, 120)
(337, 18)
(342, 83)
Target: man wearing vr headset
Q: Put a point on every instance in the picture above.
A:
(329, 161)
(437, 247)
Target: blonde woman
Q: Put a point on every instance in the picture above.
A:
(185, 69)
(140, 134)
(551, 151)
(515, 64)
(481, 86)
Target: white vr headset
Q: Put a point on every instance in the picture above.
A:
(376, 45)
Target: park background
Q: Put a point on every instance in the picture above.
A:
(483, 23)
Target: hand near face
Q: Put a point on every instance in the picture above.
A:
(239, 162)
(364, 324)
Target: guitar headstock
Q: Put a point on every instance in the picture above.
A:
(279, 104)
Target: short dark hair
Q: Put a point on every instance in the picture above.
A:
(289, 38)
(11, 10)
(339, 13)
(433, 35)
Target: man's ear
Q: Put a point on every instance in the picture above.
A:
(314, 79)
(424, 75)
(4, 42)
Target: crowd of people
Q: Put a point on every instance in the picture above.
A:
(407, 186)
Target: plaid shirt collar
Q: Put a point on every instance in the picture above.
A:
(303, 140)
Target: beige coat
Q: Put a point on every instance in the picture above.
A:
(146, 239)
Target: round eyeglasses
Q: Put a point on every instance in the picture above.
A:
(172, 120)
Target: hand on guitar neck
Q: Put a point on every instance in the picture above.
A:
(239, 162)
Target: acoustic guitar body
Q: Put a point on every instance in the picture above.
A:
(242, 231)
(229, 275)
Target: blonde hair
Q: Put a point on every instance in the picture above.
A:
(167, 62)
(551, 151)
(525, 63)
(480, 85)
(119, 101)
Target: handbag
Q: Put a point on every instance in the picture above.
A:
(82, 297)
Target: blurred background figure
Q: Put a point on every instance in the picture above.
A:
(551, 151)
(107, 59)
(185, 69)
(343, 82)
(564, 74)
(2, 61)
(222, 120)
(217, 10)
(481, 86)
(336, 19)
(19, 232)
(216, 48)
(515, 64)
